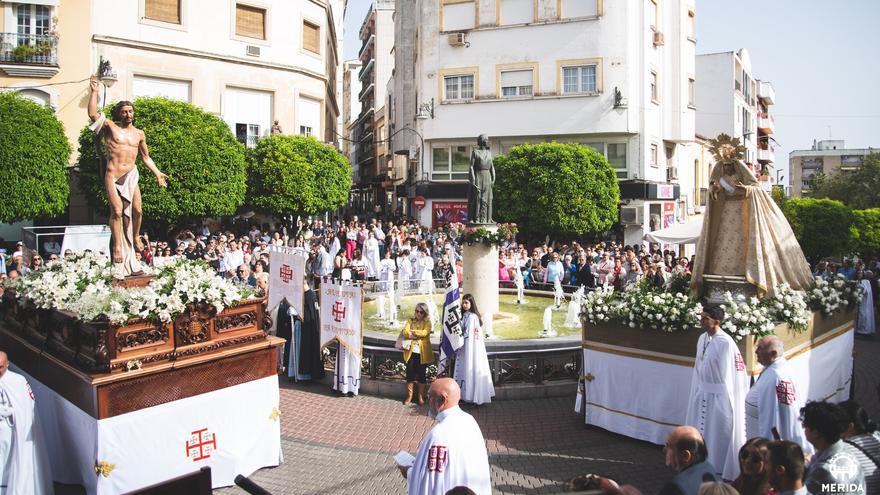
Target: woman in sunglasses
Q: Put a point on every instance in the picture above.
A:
(754, 468)
(417, 352)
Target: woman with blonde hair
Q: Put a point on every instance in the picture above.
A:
(417, 352)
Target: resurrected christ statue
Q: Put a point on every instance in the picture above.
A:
(744, 232)
(123, 142)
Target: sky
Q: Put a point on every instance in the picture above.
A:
(823, 59)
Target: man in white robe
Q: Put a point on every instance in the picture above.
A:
(472, 372)
(774, 401)
(718, 393)
(347, 373)
(865, 320)
(23, 459)
(453, 453)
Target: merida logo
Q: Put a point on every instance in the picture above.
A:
(842, 488)
(845, 469)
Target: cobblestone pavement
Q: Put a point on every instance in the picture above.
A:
(344, 445)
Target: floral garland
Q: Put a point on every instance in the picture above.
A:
(644, 307)
(81, 285)
(476, 235)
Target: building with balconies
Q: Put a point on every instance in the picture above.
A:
(377, 41)
(827, 157)
(615, 76)
(351, 109)
(251, 62)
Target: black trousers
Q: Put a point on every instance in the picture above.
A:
(415, 370)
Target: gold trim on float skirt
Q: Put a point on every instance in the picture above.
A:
(630, 352)
(615, 411)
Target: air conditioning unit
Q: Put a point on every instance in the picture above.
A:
(659, 39)
(457, 39)
(671, 174)
(631, 215)
(253, 51)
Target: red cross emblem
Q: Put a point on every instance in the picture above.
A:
(740, 364)
(785, 392)
(338, 311)
(286, 273)
(437, 457)
(201, 444)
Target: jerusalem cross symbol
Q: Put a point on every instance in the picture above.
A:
(785, 392)
(286, 273)
(338, 311)
(201, 445)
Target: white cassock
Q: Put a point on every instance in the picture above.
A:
(452, 454)
(335, 246)
(404, 272)
(773, 401)
(371, 257)
(471, 363)
(347, 373)
(865, 322)
(23, 458)
(717, 400)
(386, 269)
(426, 278)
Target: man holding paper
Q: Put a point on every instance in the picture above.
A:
(453, 453)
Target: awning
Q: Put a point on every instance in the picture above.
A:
(50, 3)
(680, 233)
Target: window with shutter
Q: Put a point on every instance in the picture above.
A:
(311, 37)
(162, 10)
(250, 21)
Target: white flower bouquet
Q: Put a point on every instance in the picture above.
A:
(642, 307)
(745, 317)
(830, 295)
(788, 305)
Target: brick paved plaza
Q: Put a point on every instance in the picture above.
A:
(344, 445)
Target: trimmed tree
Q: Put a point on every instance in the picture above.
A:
(557, 189)
(34, 155)
(203, 160)
(297, 175)
(823, 227)
(867, 224)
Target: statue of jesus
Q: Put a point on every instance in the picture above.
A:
(123, 142)
(745, 234)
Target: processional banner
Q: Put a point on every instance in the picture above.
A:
(341, 315)
(286, 273)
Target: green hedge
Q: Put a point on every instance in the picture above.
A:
(34, 155)
(557, 189)
(823, 227)
(296, 175)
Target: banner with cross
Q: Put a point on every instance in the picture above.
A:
(286, 273)
(341, 315)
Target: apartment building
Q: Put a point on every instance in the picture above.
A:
(251, 62)
(351, 110)
(830, 156)
(616, 76)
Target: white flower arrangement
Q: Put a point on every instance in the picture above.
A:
(788, 305)
(600, 305)
(830, 295)
(745, 317)
(642, 307)
(81, 285)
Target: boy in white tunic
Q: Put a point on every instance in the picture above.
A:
(453, 453)
(774, 400)
(718, 393)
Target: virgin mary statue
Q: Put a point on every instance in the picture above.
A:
(745, 235)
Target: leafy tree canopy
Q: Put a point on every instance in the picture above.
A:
(557, 189)
(204, 162)
(823, 227)
(859, 189)
(34, 155)
(296, 175)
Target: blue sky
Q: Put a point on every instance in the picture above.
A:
(822, 57)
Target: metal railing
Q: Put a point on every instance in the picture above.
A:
(535, 366)
(37, 49)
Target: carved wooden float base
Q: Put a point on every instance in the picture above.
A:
(104, 395)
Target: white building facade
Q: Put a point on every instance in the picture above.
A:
(250, 62)
(616, 76)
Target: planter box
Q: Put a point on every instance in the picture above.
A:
(681, 347)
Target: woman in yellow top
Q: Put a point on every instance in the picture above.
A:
(417, 351)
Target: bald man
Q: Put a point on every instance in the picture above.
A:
(453, 453)
(23, 459)
(686, 453)
(775, 400)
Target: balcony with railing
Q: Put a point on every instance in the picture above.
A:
(766, 123)
(766, 93)
(766, 153)
(31, 55)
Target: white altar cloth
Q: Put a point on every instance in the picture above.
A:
(645, 397)
(235, 430)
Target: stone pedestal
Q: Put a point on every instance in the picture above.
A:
(481, 279)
